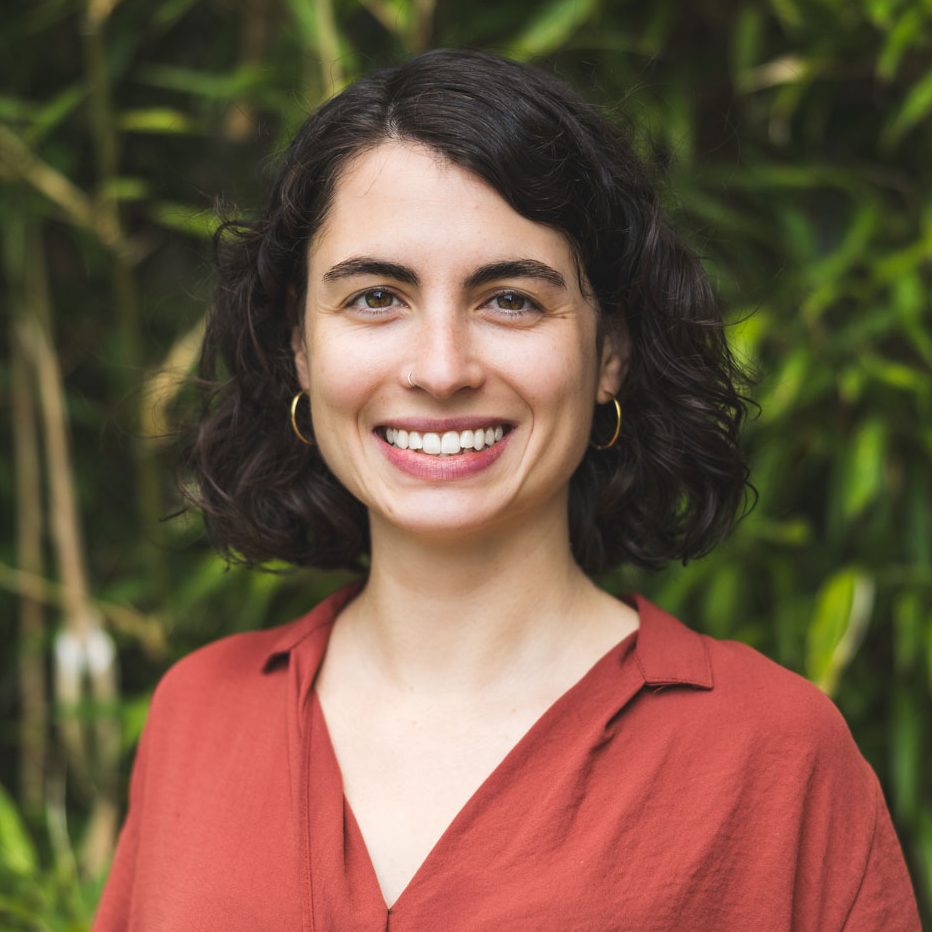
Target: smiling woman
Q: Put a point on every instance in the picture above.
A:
(462, 344)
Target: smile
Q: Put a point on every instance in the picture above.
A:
(448, 443)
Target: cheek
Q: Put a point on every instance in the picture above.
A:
(556, 376)
(346, 372)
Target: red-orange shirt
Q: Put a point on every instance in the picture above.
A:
(684, 783)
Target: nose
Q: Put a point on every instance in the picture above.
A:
(445, 360)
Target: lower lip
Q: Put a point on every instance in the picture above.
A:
(442, 468)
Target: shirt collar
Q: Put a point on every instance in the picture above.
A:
(291, 634)
(667, 653)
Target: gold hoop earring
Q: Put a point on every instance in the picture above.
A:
(616, 435)
(294, 418)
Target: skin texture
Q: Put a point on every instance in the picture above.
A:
(474, 609)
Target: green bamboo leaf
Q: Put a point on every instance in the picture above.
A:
(851, 382)
(205, 84)
(765, 176)
(126, 189)
(17, 852)
(906, 261)
(190, 220)
(789, 533)
(302, 12)
(747, 332)
(787, 11)
(14, 108)
(895, 374)
(852, 248)
(916, 107)
(842, 610)
(745, 44)
(863, 477)
(51, 114)
(787, 385)
(906, 33)
(552, 28)
(880, 12)
(156, 120)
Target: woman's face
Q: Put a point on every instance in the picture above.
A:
(448, 350)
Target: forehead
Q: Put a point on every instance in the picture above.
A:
(405, 201)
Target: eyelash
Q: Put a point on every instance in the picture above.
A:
(376, 312)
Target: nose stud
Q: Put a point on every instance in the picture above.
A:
(411, 378)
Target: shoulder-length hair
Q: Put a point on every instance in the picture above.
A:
(670, 488)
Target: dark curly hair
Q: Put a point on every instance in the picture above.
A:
(673, 484)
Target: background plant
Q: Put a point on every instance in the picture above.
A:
(796, 138)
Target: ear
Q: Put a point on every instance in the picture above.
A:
(299, 349)
(616, 351)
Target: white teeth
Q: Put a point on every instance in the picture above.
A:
(431, 444)
(449, 443)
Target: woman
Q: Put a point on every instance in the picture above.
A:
(461, 284)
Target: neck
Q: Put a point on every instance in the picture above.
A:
(462, 614)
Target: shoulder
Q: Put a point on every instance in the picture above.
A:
(230, 674)
(778, 718)
(214, 682)
(760, 686)
(728, 705)
(728, 687)
(224, 661)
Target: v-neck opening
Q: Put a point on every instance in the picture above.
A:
(545, 719)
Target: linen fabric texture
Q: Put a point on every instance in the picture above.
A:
(683, 783)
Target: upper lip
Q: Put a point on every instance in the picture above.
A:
(427, 425)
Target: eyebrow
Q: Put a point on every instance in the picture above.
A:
(510, 268)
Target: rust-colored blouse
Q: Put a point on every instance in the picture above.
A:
(682, 783)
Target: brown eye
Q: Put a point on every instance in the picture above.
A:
(510, 301)
(378, 298)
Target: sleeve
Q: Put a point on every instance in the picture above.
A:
(115, 907)
(885, 899)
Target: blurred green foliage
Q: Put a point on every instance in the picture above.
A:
(796, 136)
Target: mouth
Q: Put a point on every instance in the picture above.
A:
(445, 443)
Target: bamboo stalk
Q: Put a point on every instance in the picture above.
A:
(328, 46)
(83, 650)
(148, 630)
(18, 161)
(32, 679)
(123, 282)
(240, 122)
(422, 25)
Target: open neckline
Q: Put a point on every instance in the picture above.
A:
(485, 788)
